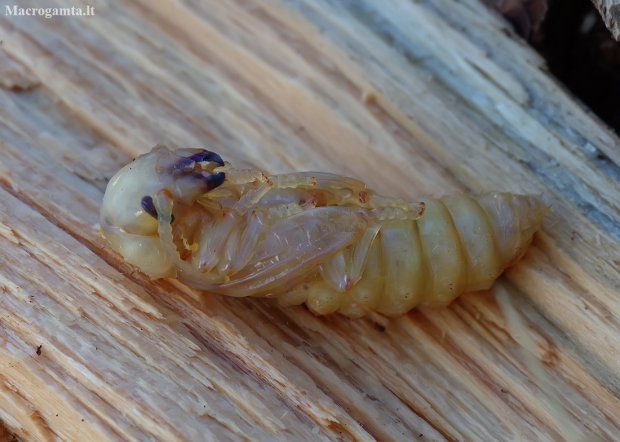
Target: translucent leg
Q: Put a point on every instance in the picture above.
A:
(342, 188)
(240, 248)
(351, 191)
(254, 177)
(318, 179)
(344, 269)
(385, 207)
(186, 273)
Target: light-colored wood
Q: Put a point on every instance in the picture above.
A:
(610, 11)
(411, 97)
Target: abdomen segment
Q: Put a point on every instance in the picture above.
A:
(460, 244)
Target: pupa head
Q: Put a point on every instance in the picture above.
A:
(128, 216)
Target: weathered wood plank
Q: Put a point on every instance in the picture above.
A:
(610, 11)
(413, 97)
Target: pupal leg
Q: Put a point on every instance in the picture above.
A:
(345, 269)
(243, 176)
(257, 179)
(351, 191)
(229, 243)
(252, 197)
(384, 207)
(213, 239)
(281, 211)
(318, 179)
(241, 245)
(186, 273)
(342, 188)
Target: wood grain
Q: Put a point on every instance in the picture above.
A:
(411, 97)
(610, 11)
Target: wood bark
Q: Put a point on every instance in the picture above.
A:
(610, 11)
(411, 97)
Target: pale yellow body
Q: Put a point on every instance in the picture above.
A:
(316, 238)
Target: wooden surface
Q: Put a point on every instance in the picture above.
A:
(424, 97)
(610, 11)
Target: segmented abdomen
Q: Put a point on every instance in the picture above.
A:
(460, 244)
(311, 237)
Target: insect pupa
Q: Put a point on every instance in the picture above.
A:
(315, 238)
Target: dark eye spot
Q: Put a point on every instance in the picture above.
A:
(206, 155)
(188, 163)
(149, 207)
(214, 181)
